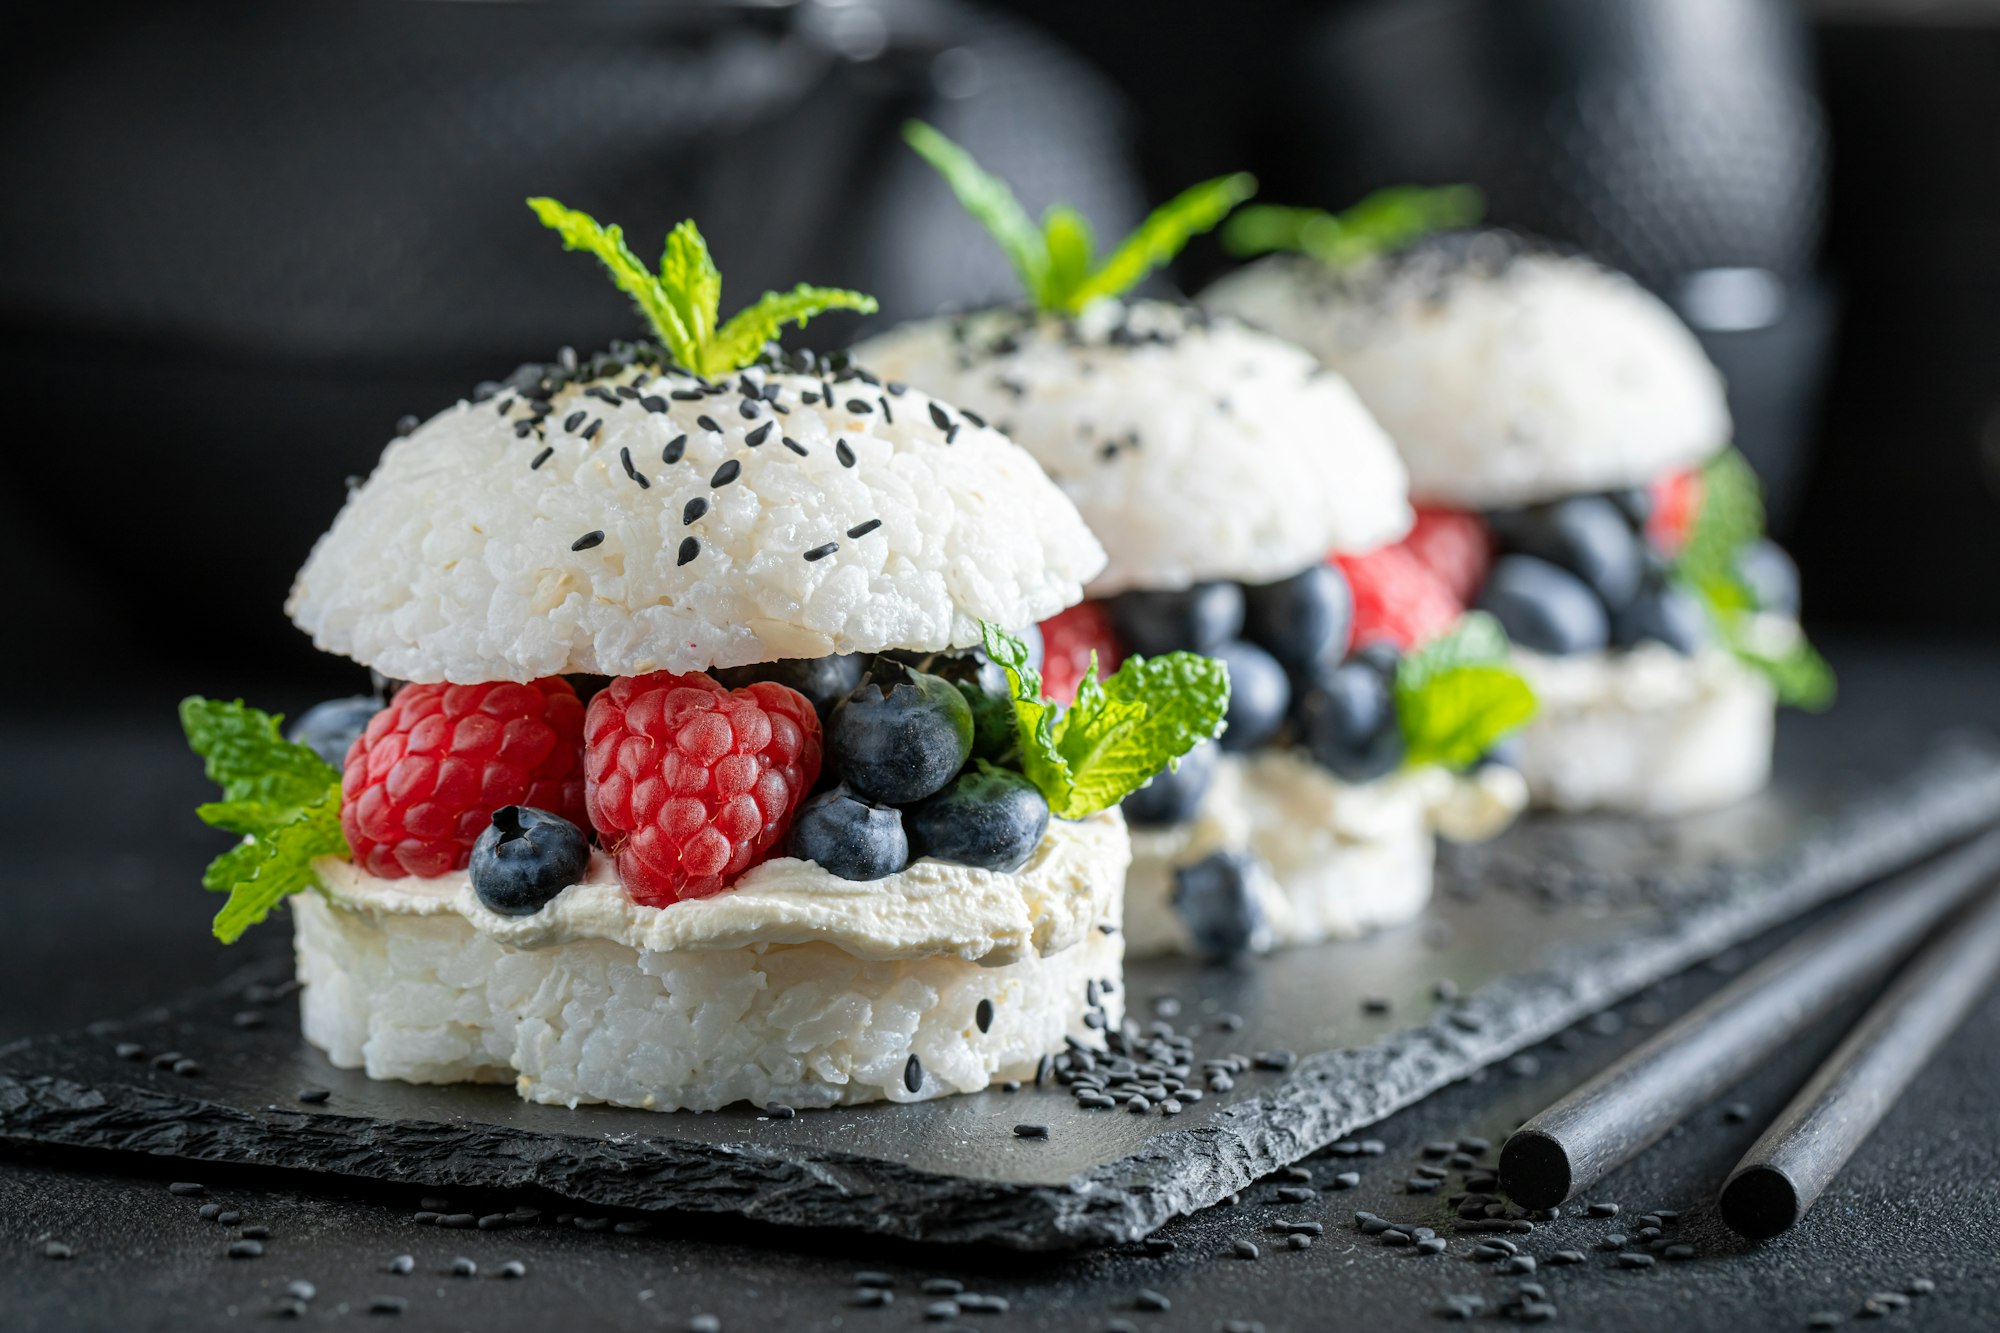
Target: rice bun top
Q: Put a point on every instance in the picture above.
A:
(1197, 448)
(624, 518)
(1506, 374)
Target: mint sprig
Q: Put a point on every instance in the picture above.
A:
(1729, 519)
(1456, 696)
(1057, 260)
(1119, 731)
(1383, 221)
(281, 797)
(684, 299)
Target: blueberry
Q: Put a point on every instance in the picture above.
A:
(1505, 753)
(824, 680)
(1587, 535)
(1347, 720)
(988, 817)
(1665, 613)
(328, 729)
(901, 735)
(1635, 503)
(1543, 608)
(526, 857)
(1259, 695)
(1214, 900)
(1303, 620)
(1173, 795)
(1193, 619)
(850, 836)
(1770, 575)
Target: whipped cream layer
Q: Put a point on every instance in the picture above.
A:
(930, 908)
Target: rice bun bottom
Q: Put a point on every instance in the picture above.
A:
(430, 999)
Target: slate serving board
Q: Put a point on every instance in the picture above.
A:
(1556, 920)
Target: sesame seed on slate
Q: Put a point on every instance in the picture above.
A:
(1602, 1210)
(1031, 1131)
(625, 457)
(707, 423)
(1561, 1257)
(1347, 1180)
(513, 1268)
(821, 553)
(1920, 1286)
(464, 1267)
(690, 548)
(675, 448)
(694, 509)
(913, 1070)
(403, 1265)
(595, 537)
(843, 453)
(860, 406)
(870, 1278)
(208, 1212)
(779, 1111)
(759, 435)
(186, 1067)
(388, 1305)
(300, 1289)
(1635, 1261)
(863, 529)
(246, 1249)
(255, 1233)
(542, 458)
(873, 1298)
(942, 1286)
(983, 1013)
(1736, 1112)
(704, 1323)
(129, 1050)
(1148, 1299)
(55, 1249)
(1245, 1249)
(187, 1189)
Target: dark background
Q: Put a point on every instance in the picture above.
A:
(238, 241)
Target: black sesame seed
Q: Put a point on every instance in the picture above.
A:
(728, 472)
(759, 435)
(675, 448)
(652, 402)
(1148, 1299)
(820, 553)
(1031, 1131)
(187, 1189)
(590, 431)
(843, 453)
(687, 395)
(983, 1014)
(942, 1286)
(863, 529)
(464, 1267)
(694, 509)
(523, 429)
(690, 548)
(938, 417)
(707, 423)
(575, 419)
(625, 457)
(588, 540)
(951, 436)
(246, 1249)
(388, 1305)
(795, 446)
(913, 1071)
(779, 1111)
(542, 458)
(860, 405)
(972, 416)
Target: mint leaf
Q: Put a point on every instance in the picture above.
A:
(739, 342)
(683, 300)
(1383, 221)
(1071, 247)
(281, 797)
(1119, 732)
(1164, 233)
(989, 200)
(1799, 675)
(1456, 696)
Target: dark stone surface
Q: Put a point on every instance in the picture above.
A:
(1658, 899)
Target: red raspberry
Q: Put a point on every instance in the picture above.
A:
(1397, 597)
(1456, 547)
(1068, 639)
(423, 781)
(1676, 501)
(691, 784)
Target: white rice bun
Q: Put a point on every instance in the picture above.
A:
(1646, 731)
(455, 560)
(1331, 860)
(1504, 377)
(431, 997)
(1195, 447)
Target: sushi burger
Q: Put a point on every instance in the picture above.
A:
(1567, 444)
(1239, 490)
(695, 782)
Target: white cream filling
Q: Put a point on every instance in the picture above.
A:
(930, 908)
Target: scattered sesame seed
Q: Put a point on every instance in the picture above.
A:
(388, 1305)
(863, 529)
(588, 540)
(821, 552)
(1245, 1249)
(690, 548)
(1148, 1299)
(246, 1249)
(187, 1189)
(55, 1249)
(1031, 1131)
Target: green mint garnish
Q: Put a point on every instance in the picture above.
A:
(281, 797)
(1729, 519)
(1456, 696)
(1119, 732)
(1057, 259)
(683, 300)
(1386, 220)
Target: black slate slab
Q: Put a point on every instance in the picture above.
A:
(1528, 947)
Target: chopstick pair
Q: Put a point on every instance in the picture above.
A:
(1629, 1106)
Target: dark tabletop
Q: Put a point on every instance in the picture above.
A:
(100, 883)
